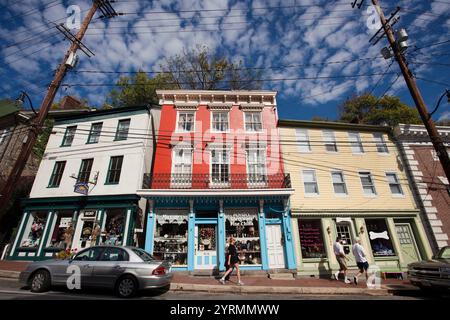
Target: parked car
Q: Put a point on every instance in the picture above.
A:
(126, 270)
(432, 274)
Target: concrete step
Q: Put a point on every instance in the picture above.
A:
(281, 276)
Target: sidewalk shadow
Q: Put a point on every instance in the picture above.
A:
(324, 272)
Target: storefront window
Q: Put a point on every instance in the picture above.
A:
(112, 233)
(170, 241)
(62, 231)
(311, 238)
(34, 230)
(244, 227)
(380, 239)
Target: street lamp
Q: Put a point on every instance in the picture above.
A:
(446, 92)
(21, 100)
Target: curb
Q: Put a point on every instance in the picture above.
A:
(276, 290)
(9, 274)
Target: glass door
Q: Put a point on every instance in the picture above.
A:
(344, 232)
(205, 246)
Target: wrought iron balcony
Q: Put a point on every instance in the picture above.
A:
(208, 181)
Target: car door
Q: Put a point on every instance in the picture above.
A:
(85, 261)
(111, 265)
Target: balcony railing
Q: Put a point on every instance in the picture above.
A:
(208, 181)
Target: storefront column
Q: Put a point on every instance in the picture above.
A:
(397, 248)
(221, 237)
(45, 234)
(262, 236)
(288, 239)
(126, 231)
(297, 245)
(362, 234)
(422, 241)
(150, 230)
(20, 232)
(330, 227)
(191, 236)
(100, 219)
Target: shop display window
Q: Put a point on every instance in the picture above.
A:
(114, 227)
(244, 228)
(171, 235)
(311, 239)
(380, 239)
(34, 229)
(62, 231)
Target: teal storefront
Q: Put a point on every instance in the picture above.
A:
(192, 232)
(50, 225)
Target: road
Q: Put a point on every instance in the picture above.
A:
(11, 290)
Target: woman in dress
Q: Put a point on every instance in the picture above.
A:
(233, 262)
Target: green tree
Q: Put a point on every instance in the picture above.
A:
(192, 69)
(42, 139)
(368, 109)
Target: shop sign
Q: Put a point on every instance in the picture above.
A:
(89, 214)
(171, 218)
(243, 219)
(65, 222)
(82, 188)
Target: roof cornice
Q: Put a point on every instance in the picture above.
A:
(332, 125)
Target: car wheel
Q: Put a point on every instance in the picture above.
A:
(40, 281)
(126, 287)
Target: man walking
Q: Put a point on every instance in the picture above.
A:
(361, 260)
(341, 259)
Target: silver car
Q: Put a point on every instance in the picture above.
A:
(123, 269)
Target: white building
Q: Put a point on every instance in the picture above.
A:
(84, 192)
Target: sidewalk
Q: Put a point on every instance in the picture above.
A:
(256, 284)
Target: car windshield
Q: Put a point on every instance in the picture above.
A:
(445, 253)
(145, 256)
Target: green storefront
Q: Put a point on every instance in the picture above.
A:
(50, 225)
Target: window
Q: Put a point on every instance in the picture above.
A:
(243, 226)
(310, 182)
(256, 164)
(182, 166)
(253, 121)
(220, 166)
(55, 178)
(355, 142)
(62, 233)
(311, 239)
(115, 168)
(114, 254)
(114, 228)
(94, 133)
(380, 143)
(186, 121)
(367, 183)
(144, 255)
(171, 237)
(68, 136)
(303, 140)
(394, 184)
(91, 254)
(3, 134)
(220, 121)
(330, 141)
(338, 182)
(85, 170)
(34, 229)
(122, 129)
(379, 237)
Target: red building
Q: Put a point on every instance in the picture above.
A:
(218, 173)
(428, 180)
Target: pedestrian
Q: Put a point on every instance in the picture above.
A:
(361, 260)
(341, 259)
(233, 262)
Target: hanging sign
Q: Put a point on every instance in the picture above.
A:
(82, 188)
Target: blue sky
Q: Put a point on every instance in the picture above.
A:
(316, 52)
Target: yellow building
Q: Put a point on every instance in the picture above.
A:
(349, 181)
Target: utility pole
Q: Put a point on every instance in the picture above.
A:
(107, 11)
(438, 144)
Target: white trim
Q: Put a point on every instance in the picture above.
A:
(260, 117)
(220, 149)
(359, 141)
(127, 224)
(339, 195)
(214, 192)
(395, 195)
(307, 194)
(333, 140)
(372, 195)
(26, 214)
(306, 132)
